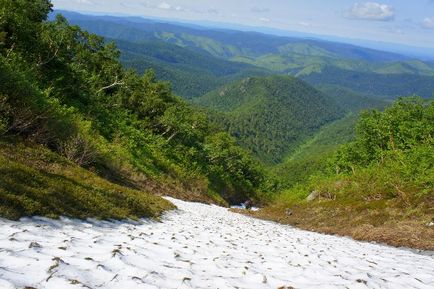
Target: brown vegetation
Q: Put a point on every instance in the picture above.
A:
(373, 221)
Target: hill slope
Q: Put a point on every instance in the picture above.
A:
(311, 157)
(37, 181)
(270, 115)
(65, 90)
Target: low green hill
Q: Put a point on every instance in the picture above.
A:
(270, 115)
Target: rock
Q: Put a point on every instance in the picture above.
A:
(35, 245)
(431, 224)
(314, 195)
(288, 212)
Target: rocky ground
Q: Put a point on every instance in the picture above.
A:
(198, 246)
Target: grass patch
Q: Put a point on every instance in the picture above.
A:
(36, 181)
(380, 221)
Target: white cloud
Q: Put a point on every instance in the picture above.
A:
(165, 6)
(304, 23)
(263, 19)
(260, 10)
(213, 11)
(371, 11)
(428, 23)
(88, 2)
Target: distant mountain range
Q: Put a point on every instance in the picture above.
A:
(423, 53)
(198, 59)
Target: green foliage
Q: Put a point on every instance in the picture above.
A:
(17, 24)
(231, 164)
(402, 127)
(36, 181)
(70, 93)
(270, 116)
(391, 158)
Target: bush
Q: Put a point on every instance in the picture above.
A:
(391, 158)
(3, 116)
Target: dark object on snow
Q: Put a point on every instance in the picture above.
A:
(35, 245)
(248, 204)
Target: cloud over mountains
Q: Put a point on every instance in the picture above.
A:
(371, 11)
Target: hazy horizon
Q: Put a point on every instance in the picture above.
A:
(395, 22)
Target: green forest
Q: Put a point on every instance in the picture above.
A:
(271, 116)
(64, 89)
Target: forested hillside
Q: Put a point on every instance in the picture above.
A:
(86, 130)
(271, 116)
(64, 89)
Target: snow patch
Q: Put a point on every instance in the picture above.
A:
(197, 246)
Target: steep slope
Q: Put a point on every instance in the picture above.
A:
(37, 181)
(200, 247)
(270, 115)
(379, 186)
(66, 90)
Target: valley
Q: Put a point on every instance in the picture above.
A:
(124, 141)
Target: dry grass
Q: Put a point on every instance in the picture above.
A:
(388, 223)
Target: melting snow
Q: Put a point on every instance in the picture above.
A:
(197, 246)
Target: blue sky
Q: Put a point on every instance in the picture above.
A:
(408, 22)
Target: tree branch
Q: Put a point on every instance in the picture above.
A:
(115, 83)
